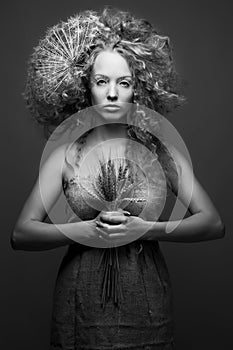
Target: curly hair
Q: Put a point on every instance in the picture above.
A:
(60, 66)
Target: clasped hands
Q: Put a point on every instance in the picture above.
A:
(120, 227)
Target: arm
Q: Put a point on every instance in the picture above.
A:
(30, 232)
(204, 222)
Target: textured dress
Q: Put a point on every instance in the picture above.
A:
(140, 318)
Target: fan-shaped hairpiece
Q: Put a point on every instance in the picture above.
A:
(57, 62)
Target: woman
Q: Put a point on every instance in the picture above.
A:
(120, 297)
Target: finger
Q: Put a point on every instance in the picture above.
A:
(109, 226)
(111, 233)
(127, 213)
(99, 224)
(110, 229)
(113, 219)
(106, 225)
(102, 235)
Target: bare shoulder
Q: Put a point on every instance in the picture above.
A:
(56, 155)
(68, 155)
(183, 162)
(180, 157)
(54, 162)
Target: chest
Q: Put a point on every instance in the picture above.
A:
(84, 160)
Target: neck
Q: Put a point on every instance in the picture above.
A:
(110, 131)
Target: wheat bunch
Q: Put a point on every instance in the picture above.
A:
(114, 185)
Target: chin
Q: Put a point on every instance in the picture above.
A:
(111, 117)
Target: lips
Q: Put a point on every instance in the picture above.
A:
(112, 107)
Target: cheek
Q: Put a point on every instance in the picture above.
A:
(129, 95)
(96, 95)
(126, 95)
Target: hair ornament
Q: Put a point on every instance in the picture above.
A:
(57, 62)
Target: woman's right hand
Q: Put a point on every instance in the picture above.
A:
(87, 233)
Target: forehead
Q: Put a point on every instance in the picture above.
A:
(111, 63)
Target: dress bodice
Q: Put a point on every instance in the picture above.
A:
(79, 194)
(146, 198)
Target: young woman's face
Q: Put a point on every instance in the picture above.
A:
(111, 86)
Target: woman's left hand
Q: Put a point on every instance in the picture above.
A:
(121, 229)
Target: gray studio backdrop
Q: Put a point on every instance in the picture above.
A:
(201, 36)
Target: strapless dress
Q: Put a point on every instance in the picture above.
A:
(142, 317)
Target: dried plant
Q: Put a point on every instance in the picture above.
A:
(114, 187)
(115, 184)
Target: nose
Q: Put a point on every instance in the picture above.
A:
(112, 94)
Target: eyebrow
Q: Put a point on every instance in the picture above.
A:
(105, 76)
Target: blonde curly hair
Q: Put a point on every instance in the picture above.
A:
(59, 68)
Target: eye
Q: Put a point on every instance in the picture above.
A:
(101, 82)
(125, 83)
